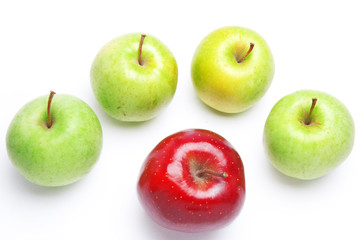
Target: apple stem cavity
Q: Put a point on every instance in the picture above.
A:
(247, 54)
(308, 119)
(201, 173)
(49, 121)
(140, 49)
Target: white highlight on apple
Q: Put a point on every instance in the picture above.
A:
(175, 169)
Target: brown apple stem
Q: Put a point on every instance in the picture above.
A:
(247, 54)
(307, 121)
(140, 48)
(201, 173)
(49, 121)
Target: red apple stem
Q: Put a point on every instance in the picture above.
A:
(201, 173)
(140, 49)
(308, 120)
(49, 121)
(247, 54)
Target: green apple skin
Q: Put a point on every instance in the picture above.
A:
(128, 91)
(223, 83)
(308, 151)
(58, 155)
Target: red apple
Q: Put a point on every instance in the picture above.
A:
(192, 181)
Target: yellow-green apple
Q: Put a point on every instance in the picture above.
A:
(308, 134)
(232, 68)
(133, 77)
(54, 143)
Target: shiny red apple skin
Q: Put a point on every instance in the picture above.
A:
(176, 197)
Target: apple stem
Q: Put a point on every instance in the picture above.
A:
(140, 48)
(201, 173)
(314, 100)
(247, 54)
(49, 121)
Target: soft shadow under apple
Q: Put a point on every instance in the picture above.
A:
(27, 187)
(293, 182)
(103, 116)
(223, 114)
(155, 231)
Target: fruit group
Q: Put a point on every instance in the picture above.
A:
(231, 69)
(54, 143)
(192, 181)
(134, 77)
(308, 134)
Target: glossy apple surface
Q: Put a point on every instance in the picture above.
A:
(56, 155)
(192, 181)
(129, 90)
(308, 147)
(228, 74)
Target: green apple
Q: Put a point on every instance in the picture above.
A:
(232, 68)
(308, 134)
(134, 77)
(54, 143)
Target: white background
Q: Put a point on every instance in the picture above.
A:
(50, 45)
